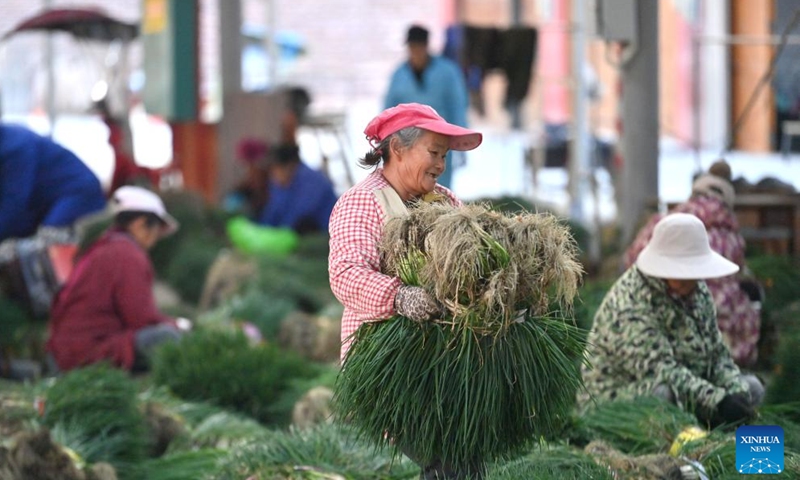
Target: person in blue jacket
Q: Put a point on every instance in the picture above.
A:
(42, 184)
(300, 197)
(431, 80)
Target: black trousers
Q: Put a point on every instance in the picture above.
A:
(436, 470)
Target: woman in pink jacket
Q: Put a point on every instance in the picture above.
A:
(106, 310)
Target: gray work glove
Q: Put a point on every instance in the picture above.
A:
(415, 303)
(8, 250)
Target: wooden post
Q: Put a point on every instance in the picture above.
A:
(749, 63)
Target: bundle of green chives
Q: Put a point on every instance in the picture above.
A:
(97, 406)
(642, 425)
(500, 367)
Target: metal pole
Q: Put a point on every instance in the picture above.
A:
(640, 120)
(272, 42)
(579, 151)
(715, 117)
(516, 20)
(516, 12)
(697, 141)
(49, 55)
(581, 172)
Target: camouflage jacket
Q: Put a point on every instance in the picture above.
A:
(643, 337)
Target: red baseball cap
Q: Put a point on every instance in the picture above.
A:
(421, 116)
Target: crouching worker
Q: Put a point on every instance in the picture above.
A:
(106, 311)
(656, 331)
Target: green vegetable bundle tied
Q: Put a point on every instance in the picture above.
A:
(502, 364)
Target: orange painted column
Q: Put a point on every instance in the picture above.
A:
(749, 63)
(194, 147)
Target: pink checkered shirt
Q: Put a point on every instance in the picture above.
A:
(356, 225)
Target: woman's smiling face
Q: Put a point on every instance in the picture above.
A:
(420, 165)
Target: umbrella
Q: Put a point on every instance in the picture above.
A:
(82, 23)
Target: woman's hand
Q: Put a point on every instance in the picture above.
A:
(415, 303)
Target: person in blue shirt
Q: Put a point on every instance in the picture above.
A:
(42, 184)
(300, 198)
(430, 80)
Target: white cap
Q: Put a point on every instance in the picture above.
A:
(679, 250)
(138, 199)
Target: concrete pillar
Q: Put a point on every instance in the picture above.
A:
(230, 24)
(640, 129)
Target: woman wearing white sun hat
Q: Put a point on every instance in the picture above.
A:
(656, 331)
(712, 201)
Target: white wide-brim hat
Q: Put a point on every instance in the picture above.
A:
(679, 250)
(138, 199)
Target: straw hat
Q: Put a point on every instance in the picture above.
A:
(679, 250)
